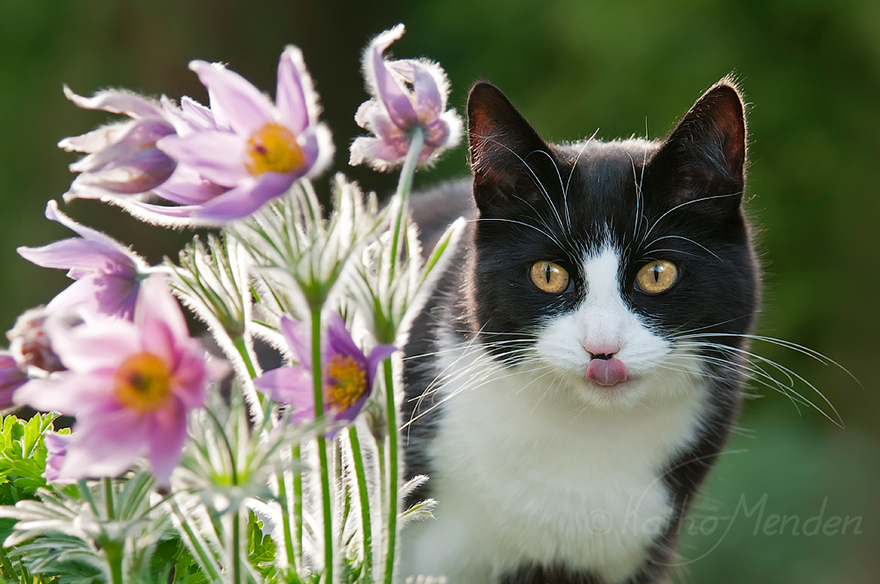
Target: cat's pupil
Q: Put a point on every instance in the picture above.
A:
(656, 271)
(547, 272)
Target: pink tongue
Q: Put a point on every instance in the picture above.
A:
(606, 372)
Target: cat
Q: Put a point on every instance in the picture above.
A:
(577, 370)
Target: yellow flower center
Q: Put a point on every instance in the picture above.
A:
(346, 383)
(143, 382)
(273, 148)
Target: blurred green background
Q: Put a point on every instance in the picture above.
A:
(810, 69)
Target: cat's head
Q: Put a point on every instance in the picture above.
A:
(608, 264)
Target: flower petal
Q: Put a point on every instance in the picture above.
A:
(217, 156)
(298, 339)
(100, 344)
(236, 103)
(105, 445)
(339, 341)
(114, 101)
(377, 355)
(166, 434)
(246, 198)
(290, 99)
(393, 96)
(160, 321)
(101, 294)
(82, 254)
(68, 393)
(188, 187)
(289, 385)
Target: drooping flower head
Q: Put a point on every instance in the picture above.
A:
(130, 385)
(252, 148)
(12, 376)
(122, 158)
(407, 94)
(347, 373)
(106, 272)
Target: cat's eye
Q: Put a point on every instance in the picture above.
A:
(550, 277)
(656, 277)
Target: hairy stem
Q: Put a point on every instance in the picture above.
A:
(364, 499)
(393, 478)
(404, 186)
(322, 444)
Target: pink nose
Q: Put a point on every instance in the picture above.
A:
(606, 372)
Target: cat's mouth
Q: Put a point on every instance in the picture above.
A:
(606, 372)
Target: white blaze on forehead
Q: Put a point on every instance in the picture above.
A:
(603, 317)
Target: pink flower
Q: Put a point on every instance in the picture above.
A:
(407, 94)
(130, 386)
(106, 272)
(122, 158)
(252, 149)
(347, 374)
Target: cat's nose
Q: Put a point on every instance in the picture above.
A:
(601, 351)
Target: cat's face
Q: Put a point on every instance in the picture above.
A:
(603, 266)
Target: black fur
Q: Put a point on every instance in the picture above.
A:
(677, 200)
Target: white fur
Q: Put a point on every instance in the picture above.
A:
(535, 464)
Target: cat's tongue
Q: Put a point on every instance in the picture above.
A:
(606, 372)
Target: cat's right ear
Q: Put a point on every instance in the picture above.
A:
(506, 154)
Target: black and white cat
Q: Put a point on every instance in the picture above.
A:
(576, 372)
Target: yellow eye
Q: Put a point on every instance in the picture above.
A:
(656, 277)
(550, 277)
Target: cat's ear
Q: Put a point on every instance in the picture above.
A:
(703, 158)
(506, 154)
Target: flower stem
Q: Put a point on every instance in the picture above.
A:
(237, 577)
(365, 502)
(285, 520)
(298, 503)
(393, 478)
(404, 186)
(108, 498)
(245, 356)
(322, 444)
(112, 550)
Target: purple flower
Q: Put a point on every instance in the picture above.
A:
(130, 385)
(106, 272)
(56, 450)
(12, 376)
(347, 373)
(407, 94)
(246, 151)
(122, 157)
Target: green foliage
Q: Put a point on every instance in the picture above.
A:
(23, 456)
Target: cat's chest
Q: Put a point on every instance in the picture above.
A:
(525, 473)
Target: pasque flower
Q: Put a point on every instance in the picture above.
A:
(347, 373)
(407, 94)
(56, 450)
(122, 157)
(256, 150)
(12, 376)
(130, 385)
(106, 272)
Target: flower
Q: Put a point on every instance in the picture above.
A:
(56, 450)
(256, 149)
(29, 343)
(130, 385)
(12, 376)
(347, 373)
(407, 94)
(106, 272)
(122, 157)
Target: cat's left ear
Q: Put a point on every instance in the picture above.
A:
(703, 158)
